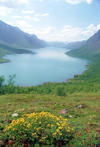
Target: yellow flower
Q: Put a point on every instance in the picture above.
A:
(29, 125)
(14, 129)
(67, 130)
(60, 128)
(33, 134)
(37, 129)
(48, 125)
(58, 124)
(60, 134)
(57, 130)
(54, 134)
(60, 117)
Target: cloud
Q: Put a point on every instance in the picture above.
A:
(31, 18)
(41, 31)
(27, 12)
(91, 27)
(16, 17)
(89, 1)
(98, 27)
(45, 14)
(21, 1)
(73, 2)
(49, 30)
(68, 33)
(13, 3)
(4, 11)
(23, 23)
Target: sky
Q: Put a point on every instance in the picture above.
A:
(53, 20)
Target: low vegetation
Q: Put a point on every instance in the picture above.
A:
(39, 129)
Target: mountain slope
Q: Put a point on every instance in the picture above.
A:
(14, 37)
(74, 45)
(4, 50)
(91, 49)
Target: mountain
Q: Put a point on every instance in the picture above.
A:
(91, 49)
(14, 37)
(74, 45)
(56, 44)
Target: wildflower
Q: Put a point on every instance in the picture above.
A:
(48, 125)
(60, 134)
(54, 134)
(60, 128)
(57, 130)
(29, 125)
(33, 134)
(58, 124)
(67, 130)
(52, 125)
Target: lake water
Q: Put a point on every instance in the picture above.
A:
(47, 65)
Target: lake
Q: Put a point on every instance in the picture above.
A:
(47, 65)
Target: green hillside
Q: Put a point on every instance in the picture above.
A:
(6, 50)
(90, 50)
(86, 51)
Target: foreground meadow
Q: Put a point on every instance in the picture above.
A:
(83, 122)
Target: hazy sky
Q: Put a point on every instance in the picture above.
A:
(53, 20)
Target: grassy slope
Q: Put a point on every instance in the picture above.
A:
(86, 51)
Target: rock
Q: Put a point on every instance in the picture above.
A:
(1, 142)
(64, 111)
(15, 114)
(8, 104)
(80, 106)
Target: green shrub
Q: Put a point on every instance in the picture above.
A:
(60, 90)
(38, 129)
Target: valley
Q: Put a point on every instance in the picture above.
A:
(79, 98)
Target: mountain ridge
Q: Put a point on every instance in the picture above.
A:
(16, 38)
(90, 50)
(74, 45)
(56, 44)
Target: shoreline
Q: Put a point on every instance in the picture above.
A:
(2, 60)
